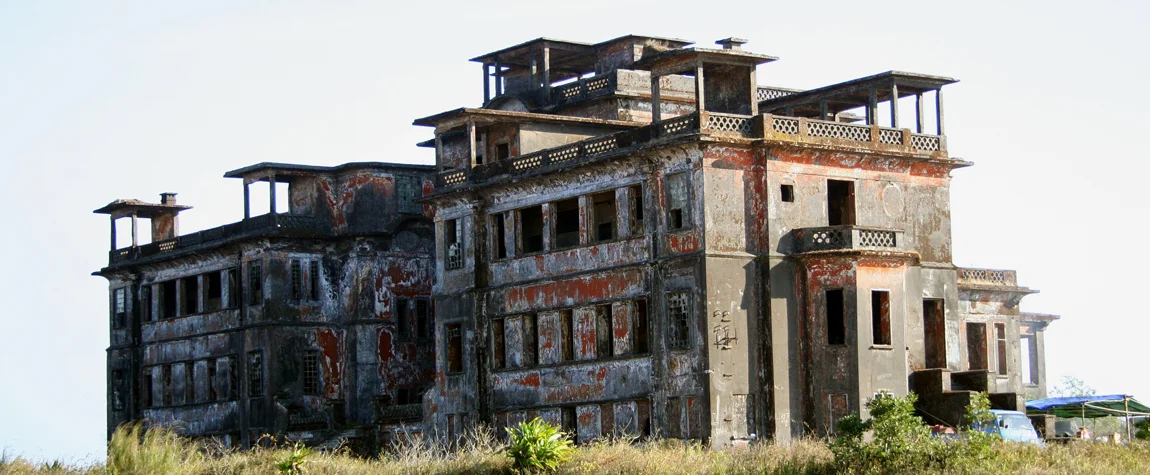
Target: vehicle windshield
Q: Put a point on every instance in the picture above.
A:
(1014, 421)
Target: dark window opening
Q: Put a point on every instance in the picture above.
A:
(603, 342)
(603, 213)
(454, 348)
(191, 295)
(453, 242)
(1000, 335)
(255, 374)
(255, 284)
(313, 280)
(567, 223)
(640, 332)
(166, 385)
(530, 342)
(146, 303)
(679, 316)
(233, 288)
(120, 308)
(408, 190)
(836, 318)
(840, 203)
(636, 198)
(404, 396)
(502, 150)
(296, 279)
(976, 346)
(214, 288)
(568, 420)
(117, 390)
(498, 344)
(189, 383)
(531, 229)
(168, 302)
(423, 319)
(880, 316)
(934, 332)
(233, 379)
(788, 192)
(566, 336)
(212, 393)
(500, 236)
(311, 373)
(402, 317)
(678, 202)
(146, 389)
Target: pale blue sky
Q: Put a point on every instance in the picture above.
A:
(105, 100)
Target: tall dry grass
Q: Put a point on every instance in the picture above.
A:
(135, 451)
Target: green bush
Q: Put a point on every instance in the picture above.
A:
(899, 440)
(293, 461)
(538, 445)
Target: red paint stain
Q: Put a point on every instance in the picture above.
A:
(331, 344)
(596, 287)
(683, 242)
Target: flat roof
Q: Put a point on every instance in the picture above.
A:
(434, 120)
(143, 209)
(856, 92)
(294, 169)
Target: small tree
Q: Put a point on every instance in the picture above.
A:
(899, 442)
(538, 445)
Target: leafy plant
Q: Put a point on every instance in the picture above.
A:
(538, 445)
(899, 440)
(296, 458)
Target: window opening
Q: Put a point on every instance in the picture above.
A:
(255, 374)
(283, 197)
(500, 235)
(640, 333)
(567, 336)
(934, 332)
(255, 283)
(168, 299)
(530, 341)
(422, 319)
(214, 298)
(189, 383)
(409, 190)
(233, 288)
(480, 148)
(498, 344)
(788, 192)
(146, 302)
(976, 346)
(840, 203)
(678, 210)
(603, 212)
(402, 325)
(636, 198)
(502, 150)
(313, 279)
(166, 385)
(603, 340)
(567, 223)
(880, 316)
(212, 393)
(531, 229)
(191, 295)
(405, 396)
(454, 348)
(453, 241)
(120, 307)
(1000, 334)
(233, 379)
(296, 280)
(678, 313)
(146, 389)
(1029, 361)
(311, 373)
(117, 390)
(836, 318)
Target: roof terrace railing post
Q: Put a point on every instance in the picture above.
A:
(872, 107)
(918, 117)
(700, 103)
(135, 239)
(113, 217)
(247, 202)
(272, 194)
(486, 83)
(471, 143)
(656, 112)
(547, 73)
(938, 110)
(894, 105)
(823, 109)
(498, 77)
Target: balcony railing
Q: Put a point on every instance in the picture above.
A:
(583, 89)
(401, 413)
(1006, 278)
(768, 93)
(258, 225)
(833, 238)
(766, 126)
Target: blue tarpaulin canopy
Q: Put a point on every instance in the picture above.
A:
(1120, 405)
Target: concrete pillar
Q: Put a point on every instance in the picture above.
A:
(471, 142)
(894, 105)
(547, 74)
(872, 107)
(938, 111)
(498, 78)
(247, 201)
(486, 83)
(135, 233)
(656, 113)
(113, 220)
(272, 194)
(700, 104)
(918, 116)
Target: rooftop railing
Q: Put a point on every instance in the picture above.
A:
(765, 126)
(1006, 278)
(583, 89)
(267, 224)
(832, 238)
(400, 413)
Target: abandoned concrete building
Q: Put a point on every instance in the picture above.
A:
(627, 237)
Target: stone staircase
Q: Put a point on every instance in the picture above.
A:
(943, 395)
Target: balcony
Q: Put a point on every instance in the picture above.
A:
(264, 225)
(835, 238)
(400, 413)
(729, 126)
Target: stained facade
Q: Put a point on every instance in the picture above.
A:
(311, 321)
(627, 237)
